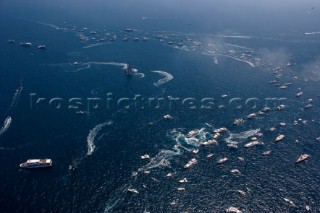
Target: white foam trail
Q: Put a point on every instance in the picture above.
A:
(6, 125)
(89, 64)
(48, 25)
(215, 60)
(94, 45)
(15, 100)
(164, 156)
(167, 77)
(160, 159)
(239, 137)
(228, 36)
(238, 46)
(84, 68)
(312, 33)
(92, 134)
(238, 59)
(117, 196)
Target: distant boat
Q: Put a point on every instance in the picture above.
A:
(302, 158)
(190, 163)
(41, 47)
(192, 133)
(11, 41)
(279, 138)
(73, 166)
(26, 44)
(36, 163)
(128, 30)
(128, 69)
(133, 190)
(222, 160)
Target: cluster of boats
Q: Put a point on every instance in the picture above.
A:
(27, 44)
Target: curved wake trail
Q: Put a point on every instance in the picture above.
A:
(15, 100)
(92, 135)
(6, 125)
(167, 77)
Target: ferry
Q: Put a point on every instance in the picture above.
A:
(36, 163)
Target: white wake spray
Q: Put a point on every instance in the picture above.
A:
(166, 77)
(92, 135)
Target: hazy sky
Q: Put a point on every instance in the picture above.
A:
(289, 15)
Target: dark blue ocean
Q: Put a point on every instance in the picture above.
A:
(203, 63)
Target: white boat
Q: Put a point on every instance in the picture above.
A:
(299, 94)
(266, 109)
(41, 47)
(26, 44)
(235, 171)
(222, 160)
(302, 158)
(209, 155)
(242, 192)
(181, 189)
(167, 116)
(192, 133)
(195, 151)
(308, 106)
(241, 158)
(222, 129)
(209, 142)
(238, 121)
(252, 144)
(184, 180)
(232, 210)
(251, 116)
(233, 146)
(169, 174)
(268, 152)
(145, 157)
(190, 163)
(36, 163)
(279, 138)
(281, 107)
(283, 87)
(133, 190)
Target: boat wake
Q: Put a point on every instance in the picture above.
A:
(238, 59)
(79, 66)
(92, 135)
(15, 100)
(235, 138)
(312, 33)
(167, 77)
(94, 45)
(6, 125)
(47, 24)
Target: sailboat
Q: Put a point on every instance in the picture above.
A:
(73, 166)
(128, 70)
